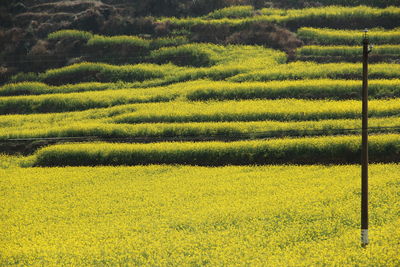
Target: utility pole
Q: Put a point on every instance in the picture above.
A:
(364, 149)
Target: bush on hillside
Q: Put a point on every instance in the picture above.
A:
(24, 77)
(186, 55)
(89, 20)
(117, 49)
(99, 72)
(70, 34)
(128, 25)
(210, 33)
(167, 42)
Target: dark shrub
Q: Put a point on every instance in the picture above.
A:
(266, 34)
(209, 33)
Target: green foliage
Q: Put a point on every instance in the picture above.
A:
(348, 37)
(24, 77)
(232, 12)
(316, 150)
(344, 51)
(311, 70)
(38, 88)
(229, 61)
(75, 34)
(100, 72)
(342, 17)
(24, 88)
(200, 130)
(186, 55)
(303, 89)
(38, 121)
(256, 110)
(117, 49)
(376, 3)
(80, 101)
(110, 42)
(329, 17)
(168, 41)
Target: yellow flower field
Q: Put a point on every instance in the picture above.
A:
(192, 216)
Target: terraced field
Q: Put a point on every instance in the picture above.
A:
(204, 92)
(179, 102)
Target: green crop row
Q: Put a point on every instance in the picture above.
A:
(198, 55)
(202, 130)
(221, 90)
(75, 34)
(348, 37)
(330, 17)
(336, 9)
(80, 101)
(39, 120)
(110, 41)
(100, 72)
(377, 3)
(342, 17)
(38, 88)
(229, 61)
(346, 51)
(119, 49)
(306, 89)
(311, 70)
(315, 150)
(256, 110)
(230, 111)
(119, 40)
(133, 49)
(186, 55)
(232, 12)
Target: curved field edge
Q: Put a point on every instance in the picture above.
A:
(256, 110)
(217, 90)
(229, 60)
(182, 215)
(315, 150)
(194, 91)
(200, 130)
(329, 17)
(310, 70)
(82, 101)
(326, 36)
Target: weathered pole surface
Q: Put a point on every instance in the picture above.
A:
(364, 157)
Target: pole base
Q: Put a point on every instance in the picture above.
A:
(364, 237)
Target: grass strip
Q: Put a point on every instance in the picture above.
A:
(311, 150)
(256, 110)
(303, 89)
(81, 101)
(311, 70)
(348, 37)
(202, 130)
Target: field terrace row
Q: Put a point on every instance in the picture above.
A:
(249, 93)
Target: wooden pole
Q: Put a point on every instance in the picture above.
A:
(364, 157)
